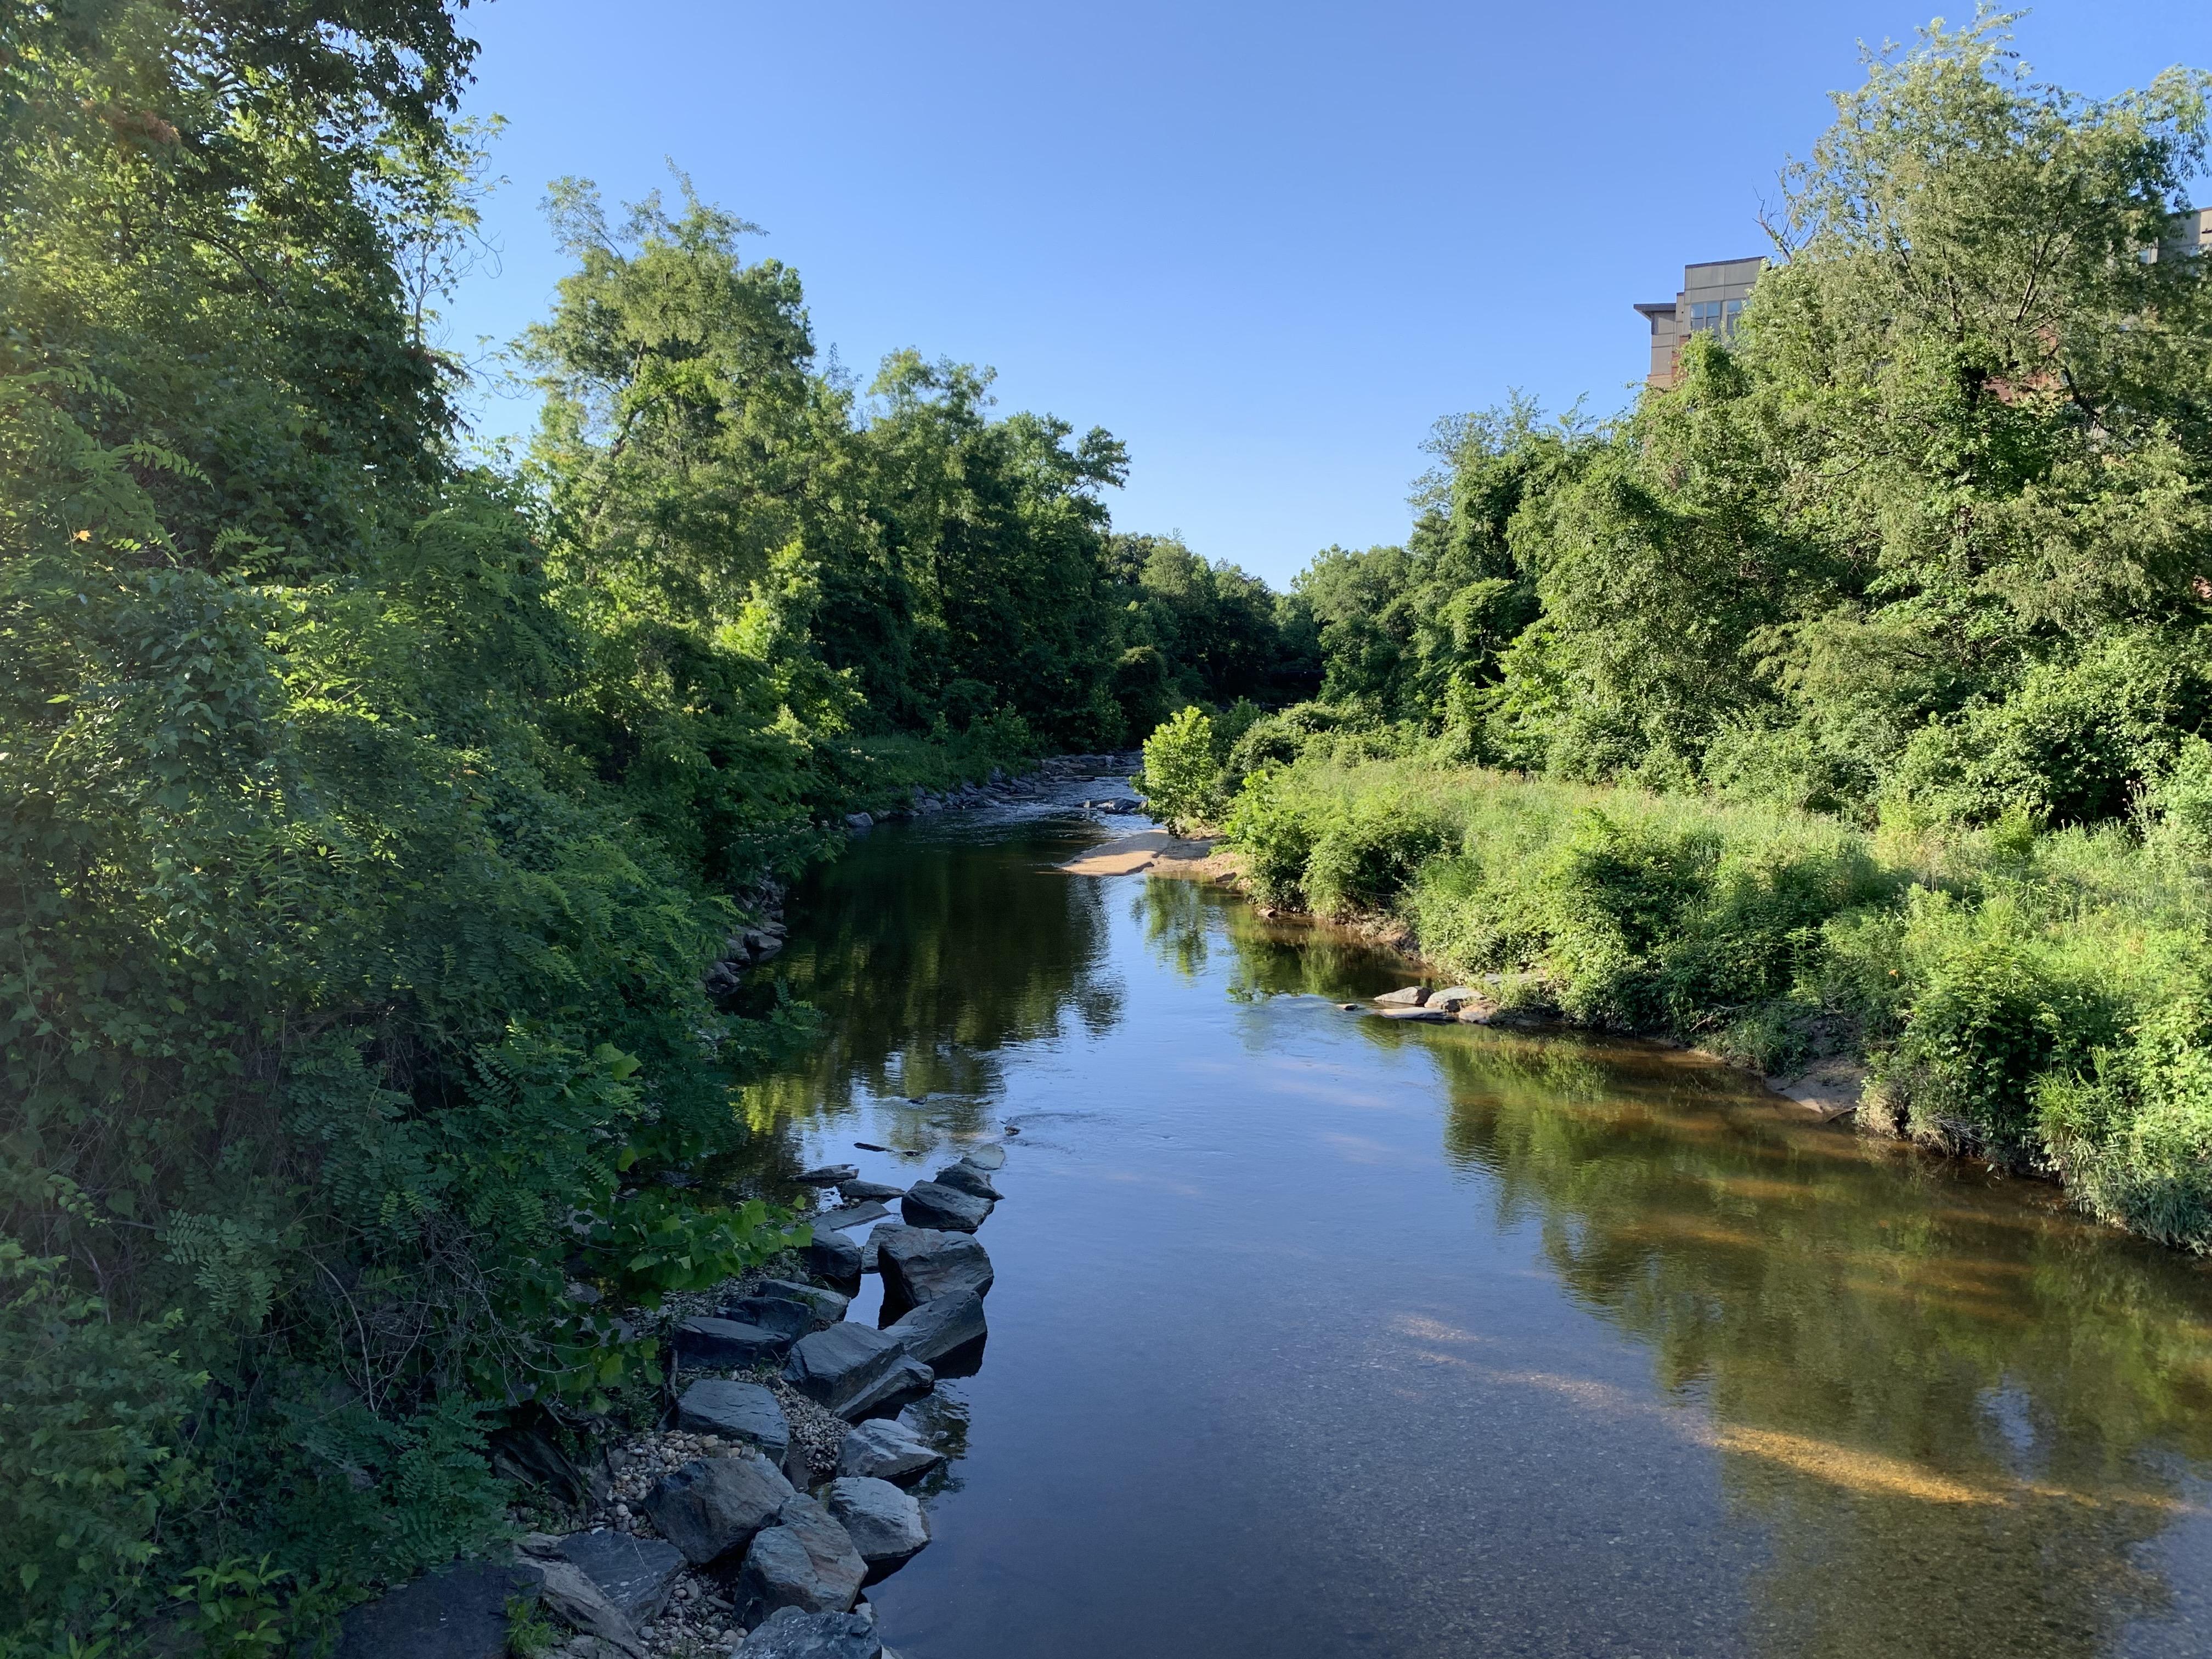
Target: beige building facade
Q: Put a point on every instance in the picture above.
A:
(1712, 295)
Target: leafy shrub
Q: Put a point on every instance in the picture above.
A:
(1182, 768)
(1367, 853)
(1274, 838)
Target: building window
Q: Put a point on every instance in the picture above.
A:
(1732, 310)
(1704, 315)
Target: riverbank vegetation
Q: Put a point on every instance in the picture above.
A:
(1850, 696)
(374, 806)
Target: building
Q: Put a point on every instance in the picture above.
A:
(1712, 294)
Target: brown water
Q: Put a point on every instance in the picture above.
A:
(1315, 1334)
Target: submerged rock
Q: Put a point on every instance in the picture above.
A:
(1424, 1015)
(887, 1449)
(920, 1264)
(830, 1174)
(884, 1523)
(928, 1204)
(985, 1158)
(806, 1561)
(792, 1633)
(840, 1365)
(736, 1411)
(713, 1505)
(851, 1215)
(938, 1326)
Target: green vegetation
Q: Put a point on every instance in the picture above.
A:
(374, 810)
(1850, 696)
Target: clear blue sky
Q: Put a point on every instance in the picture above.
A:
(1266, 245)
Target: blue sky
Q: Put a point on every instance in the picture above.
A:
(1266, 245)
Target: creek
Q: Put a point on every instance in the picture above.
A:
(1319, 1335)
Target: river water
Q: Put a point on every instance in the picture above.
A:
(1317, 1334)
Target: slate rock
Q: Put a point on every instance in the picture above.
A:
(920, 1264)
(857, 1192)
(713, 1505)
(849, 1215)
(834, 1256)
(790, 1633)
(804, 1561)
(773, 1313)
(635, 1574)
(702, 1341)
(928, 1204)
(735, 1411)
(1410, 996)
(906, 1379)
(827, 1304)
(884, 1523)
(886, 1449)
(456, 1613)
(835, 1367)
(829, 1175)
(940, 1325)
(985, 1158)
(965, 1177)
(568, 1592)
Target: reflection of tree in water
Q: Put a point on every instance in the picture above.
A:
(1956, 1409)
(1272, 955)
(927, 960)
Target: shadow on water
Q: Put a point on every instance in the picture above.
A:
(1940, 1414)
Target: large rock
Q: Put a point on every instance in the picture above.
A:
(1410, 996)
(906, 1379)
(884, 1524)
(827, 1304)
(965, 1177)
(940, 1325)
(930, 1204)
(886, 1449)
(703, 1342)
(455, 1613)
(1424, 1015)
(736, 1411)
(985, 1158)
(568, 1591)
(1453, 998)
(835, 1367)
(859, 1191)
(635, 1574)
(849, 1215)
(804, 1561)
(830, 1174)
(791, 1633)
(834, 1256)
(713, 1505)
(773, 1313)
(920, 1264)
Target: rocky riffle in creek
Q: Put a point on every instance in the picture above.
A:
(779, 1483)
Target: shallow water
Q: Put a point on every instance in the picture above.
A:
(1318, 1335)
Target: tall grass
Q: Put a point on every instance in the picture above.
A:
(2041, 1000)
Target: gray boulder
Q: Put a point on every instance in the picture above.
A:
(827, 1304)
(858, 1191)
(920, 1264)
(1453, 998)
(773, 1313)
(883, 1523)
(886, 1449)
(713, 1505)
(456, 1613)
(965, 1177)
(837, 1367)
(940, 1325)
(929, 1204)
(635, 1574)
(985, 1158)
(834, 1256)
(568, 1592)
(849, 1215)
(790, 1633)
(1422, 1016)
(703, 1342)
(829, 1175)
(906, 1379)
(735, 1411)
(804, 1561)
(1412, 996)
